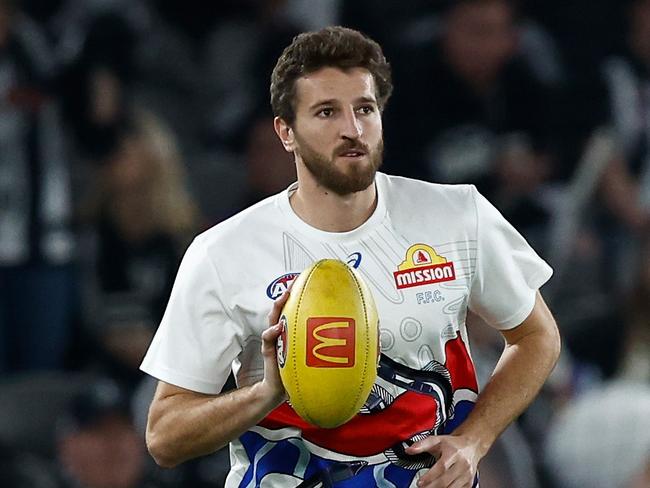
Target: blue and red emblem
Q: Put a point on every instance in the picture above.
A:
(279, 285)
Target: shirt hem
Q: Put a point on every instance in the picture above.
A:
(162, 373)
(522, 314)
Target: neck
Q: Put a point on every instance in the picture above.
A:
(325, 210)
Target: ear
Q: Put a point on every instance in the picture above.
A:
(285, 133)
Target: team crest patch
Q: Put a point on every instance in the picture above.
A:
(423, 266)
(279, 285)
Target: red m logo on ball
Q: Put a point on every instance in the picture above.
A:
(330, 342)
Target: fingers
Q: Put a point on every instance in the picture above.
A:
(272, 380)
(276, 311)
(455, 477)
(444, 477)
(270, 337)
(453, 469)
(462, 484)
(271, 333)
(430, 444)
(438, 472)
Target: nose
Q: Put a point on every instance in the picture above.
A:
(351, 127)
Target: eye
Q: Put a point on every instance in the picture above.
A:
(325, 112)
(366, 109)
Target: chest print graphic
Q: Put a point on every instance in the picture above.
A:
(423, 266)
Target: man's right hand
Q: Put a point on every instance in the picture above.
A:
(184, 424)
(272, 380)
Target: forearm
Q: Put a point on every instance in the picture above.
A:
(517, 379)
(184, 425)
(525, 363)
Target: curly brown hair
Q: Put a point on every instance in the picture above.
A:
(337, 47)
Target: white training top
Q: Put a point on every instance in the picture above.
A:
(428, 252)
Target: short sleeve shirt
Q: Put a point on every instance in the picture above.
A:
(429, 253)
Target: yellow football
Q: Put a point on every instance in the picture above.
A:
(329, 349)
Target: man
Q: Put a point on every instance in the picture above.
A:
(328, 90)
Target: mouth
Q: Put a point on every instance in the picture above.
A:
(352, 153)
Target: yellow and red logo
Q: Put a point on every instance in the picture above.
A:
(330, 342)
(423, 266)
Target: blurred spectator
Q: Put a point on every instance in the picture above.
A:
(142, 212)
(586, 31)
(95, 83)
(625, 185)
(390, 22)
(270, 169)
(470, 108)
(602, 439)
(74, 430)
(36, 243)
(116, 341)
(169, 62)
(24, 470)
(230, 182)
(98, 446)
(624, 353)
(66, 23)
(205, 66)
(634, 364)
(239, 56)
(138, 218)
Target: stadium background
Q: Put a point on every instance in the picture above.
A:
(127, 126)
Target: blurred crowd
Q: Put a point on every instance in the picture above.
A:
(128, 126)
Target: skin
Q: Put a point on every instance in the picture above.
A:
(337, 109)
(531, 350)
(184, 424)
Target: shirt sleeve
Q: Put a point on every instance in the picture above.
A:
(197, 339)
(508, 271)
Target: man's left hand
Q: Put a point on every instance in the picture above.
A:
(457, 460)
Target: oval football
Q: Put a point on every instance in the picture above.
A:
(328, 352)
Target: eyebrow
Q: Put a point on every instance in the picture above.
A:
(321, 103)
(333, 101)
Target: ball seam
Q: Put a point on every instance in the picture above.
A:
(365, 314)
(294, 332)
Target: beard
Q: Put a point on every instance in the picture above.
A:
(355, 177)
